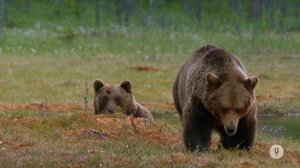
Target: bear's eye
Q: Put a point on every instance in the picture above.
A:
(118, 100)
(239, 110)
(224, 109)
(103, 101)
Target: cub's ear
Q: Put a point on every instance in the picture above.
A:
(213, 79)
(98, 84)
(126, 85)
(251, 82)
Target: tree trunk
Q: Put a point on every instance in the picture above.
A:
(283, 11)
(272, 9)
(58, 4)
(256, 9)
(2, 18)
(162, 18)
(296, 14)
(198, 11)
(186, 5)
(77, 11)
(27, 5)
(97, 7)
(118, 11)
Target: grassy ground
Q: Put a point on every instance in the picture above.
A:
(49, 68)
(44, 66)
(58, 135)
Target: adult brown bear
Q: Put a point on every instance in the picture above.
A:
(213, 92)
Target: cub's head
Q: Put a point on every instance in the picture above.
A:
(108, 98)
(230, 100)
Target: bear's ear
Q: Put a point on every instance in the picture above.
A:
(98, 84)
(126, 85)
(213, 79)
(251, 82)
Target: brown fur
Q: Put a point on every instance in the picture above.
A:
(212, 92)
(109, 97)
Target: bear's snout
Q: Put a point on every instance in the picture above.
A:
(111, 107)
(110, 111)
(230, 129)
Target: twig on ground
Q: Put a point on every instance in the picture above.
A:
(124, 128)
(151, 122)
(46, 112)
(46, 107)
(132, 121)
(187, 158)
(85, 97)
(99, 133)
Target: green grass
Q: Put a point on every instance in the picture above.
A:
(41, 67)
(48, 65)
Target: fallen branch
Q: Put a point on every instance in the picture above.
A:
(99, 133)
(149, 121)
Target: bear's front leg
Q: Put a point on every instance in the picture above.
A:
(197, 138)
(243, 138)
(196, 129)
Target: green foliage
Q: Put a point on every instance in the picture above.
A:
(225, 15)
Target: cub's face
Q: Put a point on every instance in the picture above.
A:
(232, 100)
(108, 98)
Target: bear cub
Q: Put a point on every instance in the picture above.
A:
(108, 98)
(212, 91)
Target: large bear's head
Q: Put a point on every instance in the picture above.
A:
(230, 98)
(108, 98)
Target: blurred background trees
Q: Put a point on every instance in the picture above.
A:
(234, 15)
